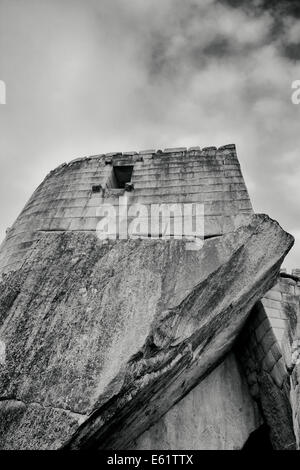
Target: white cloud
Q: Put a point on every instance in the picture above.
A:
(89, 77)
(292, 30)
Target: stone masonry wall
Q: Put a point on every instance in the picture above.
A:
(291, 342)
(282, 306)
(65, 201)
(269, 349)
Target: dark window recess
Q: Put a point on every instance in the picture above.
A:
(122, 175)
(96, 188)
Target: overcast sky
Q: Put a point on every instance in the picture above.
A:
(93, 76)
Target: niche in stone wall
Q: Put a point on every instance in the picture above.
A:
(121, 175)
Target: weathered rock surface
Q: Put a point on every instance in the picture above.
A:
(218, 414)
(102, 340)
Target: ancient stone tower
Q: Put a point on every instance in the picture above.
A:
(69, 197)
(139, 342)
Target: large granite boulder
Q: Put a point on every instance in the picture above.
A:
(102, 339)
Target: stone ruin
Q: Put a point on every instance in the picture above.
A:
(140, 343)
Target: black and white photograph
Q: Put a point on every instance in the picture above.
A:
(149, 228)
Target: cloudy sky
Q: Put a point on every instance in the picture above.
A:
(93, 76)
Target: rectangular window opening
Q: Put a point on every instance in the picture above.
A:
(122, 175)
(96, 188)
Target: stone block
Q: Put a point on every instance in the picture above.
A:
(275, 313)
(147, 152)
(228, 147)
(279, 333)
(101, 155)
(269, 361)
(209, 151)
(278, 373)
(278, 323)
(271, 305)
(260, 353)
(175, 150)
(273, 295)
(276, 351)
(268, 341)
(263, 328)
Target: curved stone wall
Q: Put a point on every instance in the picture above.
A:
(65, 201)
